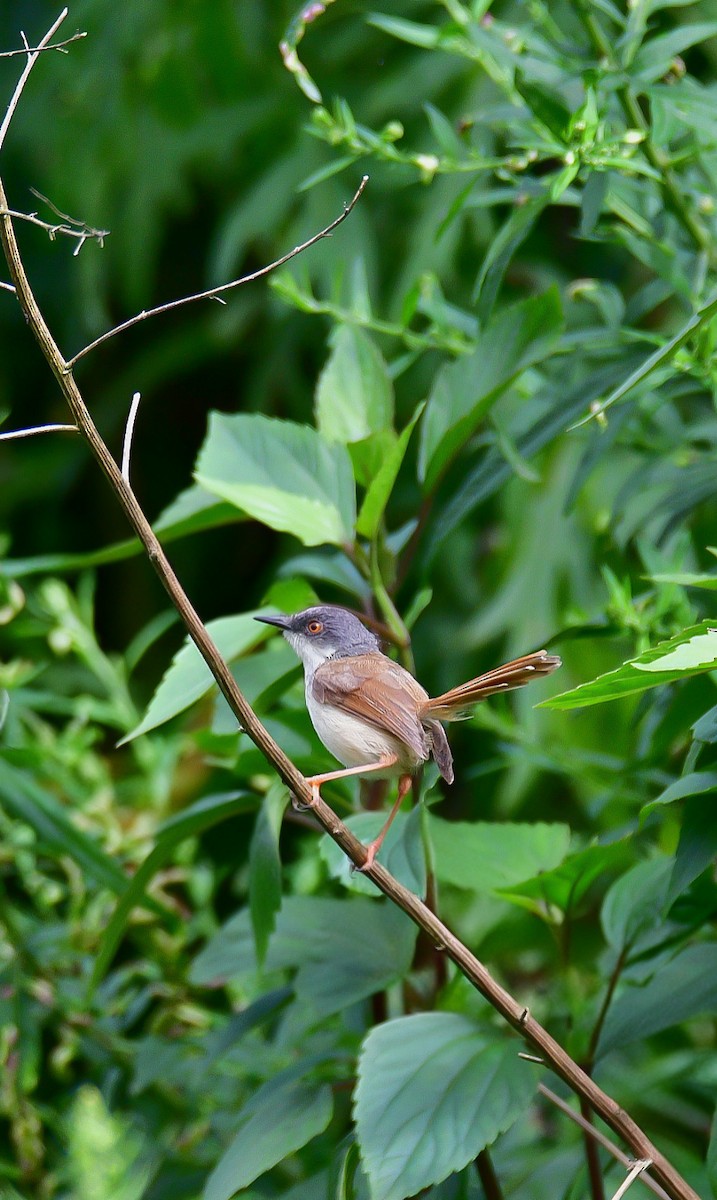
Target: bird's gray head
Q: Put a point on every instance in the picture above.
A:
(324, 631)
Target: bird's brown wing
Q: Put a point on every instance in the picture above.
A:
(379, 691)
(460, 701)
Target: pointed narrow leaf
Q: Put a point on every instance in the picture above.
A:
(265, 867)
(433, 1091)
(276, 1122)
(381, 486)
(682, 988)
(690, 653)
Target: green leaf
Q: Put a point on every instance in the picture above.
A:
(265, 867)
(25, 799)
(401, 853)
(433, 1091)
(277, 1121)
(195, 819)
(282, 474)
(690, 653)
(693, 784)
(682, 988)
(188, 678)
(482, 856)
(655, 56)
(566, 886)
(354, 394)
(381, 486)
(697, 847)
(688, 579)
(661, 356)
(502, 247)
(635, 902)
(465, 390)
(342, 950)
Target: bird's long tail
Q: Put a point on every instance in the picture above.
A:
(460, 701)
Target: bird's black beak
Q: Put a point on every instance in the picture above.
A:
(281, 621)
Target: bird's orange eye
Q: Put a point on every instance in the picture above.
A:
(314, 627)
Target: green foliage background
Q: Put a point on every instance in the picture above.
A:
(394, 422)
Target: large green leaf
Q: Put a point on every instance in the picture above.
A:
(354, 394)
(342, 950)
(690, 653)
(682, 988)
(566, 886)
(282, 474)
(464, 390)
(483, 856)
(433, 1091)
(278, 1120)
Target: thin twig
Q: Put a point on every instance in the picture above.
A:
(489, 1180)
(82, 231)
(128, 433)
(52, 46)
(641, 1165)
(598, 1136)
(32, 57)
(7, 287)
(23, 433)
(592, 1154)
(215, 293)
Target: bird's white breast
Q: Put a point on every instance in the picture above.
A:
(354, 742)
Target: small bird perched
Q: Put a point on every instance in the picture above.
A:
(371, 713)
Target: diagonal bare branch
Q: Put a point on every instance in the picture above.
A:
(32, 57)
(216, 292)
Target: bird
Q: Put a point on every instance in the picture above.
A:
(371, 713)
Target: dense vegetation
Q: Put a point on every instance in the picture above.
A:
(483, 414)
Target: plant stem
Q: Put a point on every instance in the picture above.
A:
(486, 1173)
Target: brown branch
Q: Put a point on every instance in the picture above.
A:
(510, 1009)
(216, 292)
(51, 46)
(78, 230)
(597, 1136)
(32, 57)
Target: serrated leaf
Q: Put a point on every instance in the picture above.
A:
(277, 1121)
(483, 856)
(381, 486)
(464, 390)
(282, 474)
(690, 653)
(265, 867)
(682, 988)
(433, 1091)
(354, 393)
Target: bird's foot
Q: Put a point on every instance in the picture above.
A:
(314, 783)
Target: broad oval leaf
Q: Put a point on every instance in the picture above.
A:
(483, 855)
(354, 394)
(283, 474)
(690, 653)
(634, 903)
(277, 1121)
(433, 1091)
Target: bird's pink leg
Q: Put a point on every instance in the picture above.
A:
(404, 786)
(315, 781)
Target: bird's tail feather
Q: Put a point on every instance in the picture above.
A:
(460, 701)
